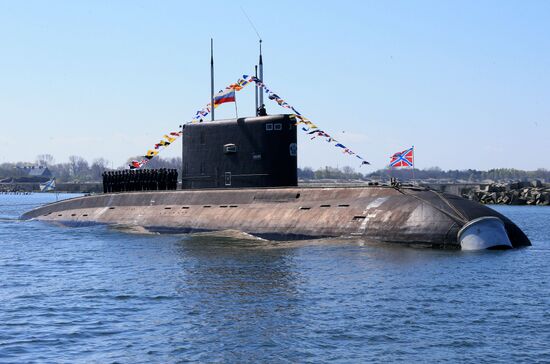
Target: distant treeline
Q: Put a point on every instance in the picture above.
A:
(469, 175)
(77, 169)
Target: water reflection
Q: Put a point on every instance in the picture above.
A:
(243, 291)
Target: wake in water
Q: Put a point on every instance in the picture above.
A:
(242, 239)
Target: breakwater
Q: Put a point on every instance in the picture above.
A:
(515, 193)
(533, 192)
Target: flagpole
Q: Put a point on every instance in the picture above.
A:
(212, 79)
(413, 164)
(236, 112)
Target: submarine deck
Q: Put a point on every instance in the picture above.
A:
(408, 215)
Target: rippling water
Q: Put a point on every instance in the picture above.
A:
(98, 294)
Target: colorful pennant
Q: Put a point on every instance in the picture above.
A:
(228, 95)
(310, 128)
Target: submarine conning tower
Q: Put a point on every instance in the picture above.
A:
(243, 152)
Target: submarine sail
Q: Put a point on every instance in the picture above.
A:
(245, 152)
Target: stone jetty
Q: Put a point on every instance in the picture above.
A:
(515, 193)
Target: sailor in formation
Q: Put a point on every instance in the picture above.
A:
(140, 180)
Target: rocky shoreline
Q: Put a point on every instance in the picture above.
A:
(515, 193)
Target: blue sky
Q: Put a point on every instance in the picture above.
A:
(466, 82)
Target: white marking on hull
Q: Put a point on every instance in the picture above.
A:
(373, 205)
(376, 203)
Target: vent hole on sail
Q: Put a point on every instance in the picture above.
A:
(297, 195)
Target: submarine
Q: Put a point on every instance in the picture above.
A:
(241, 174)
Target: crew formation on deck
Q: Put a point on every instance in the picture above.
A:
(140, 180)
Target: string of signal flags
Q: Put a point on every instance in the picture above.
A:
(228, 95)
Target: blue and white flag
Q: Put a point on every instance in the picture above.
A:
(48, 186)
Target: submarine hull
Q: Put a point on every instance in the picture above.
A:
(413, 216)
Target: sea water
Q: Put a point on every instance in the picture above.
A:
(98, 294)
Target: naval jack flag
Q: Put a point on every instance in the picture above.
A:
(403, 159)
(48, 186)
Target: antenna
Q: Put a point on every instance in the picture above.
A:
(261, 68)
(261, 62)
(251, 24)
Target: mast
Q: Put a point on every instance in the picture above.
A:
(212, 79)
(256, 91)
(261, 63)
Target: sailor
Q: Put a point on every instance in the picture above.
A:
(172, 179)
(127, 180)
(162, 179)
(124, 181)
(134, 180)
(104, 176)
(144, 180)
(262, 111)
(110, 184)
(120, 181)
(138, 180)
(153, 180)
(175, 179)
(114, 181)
